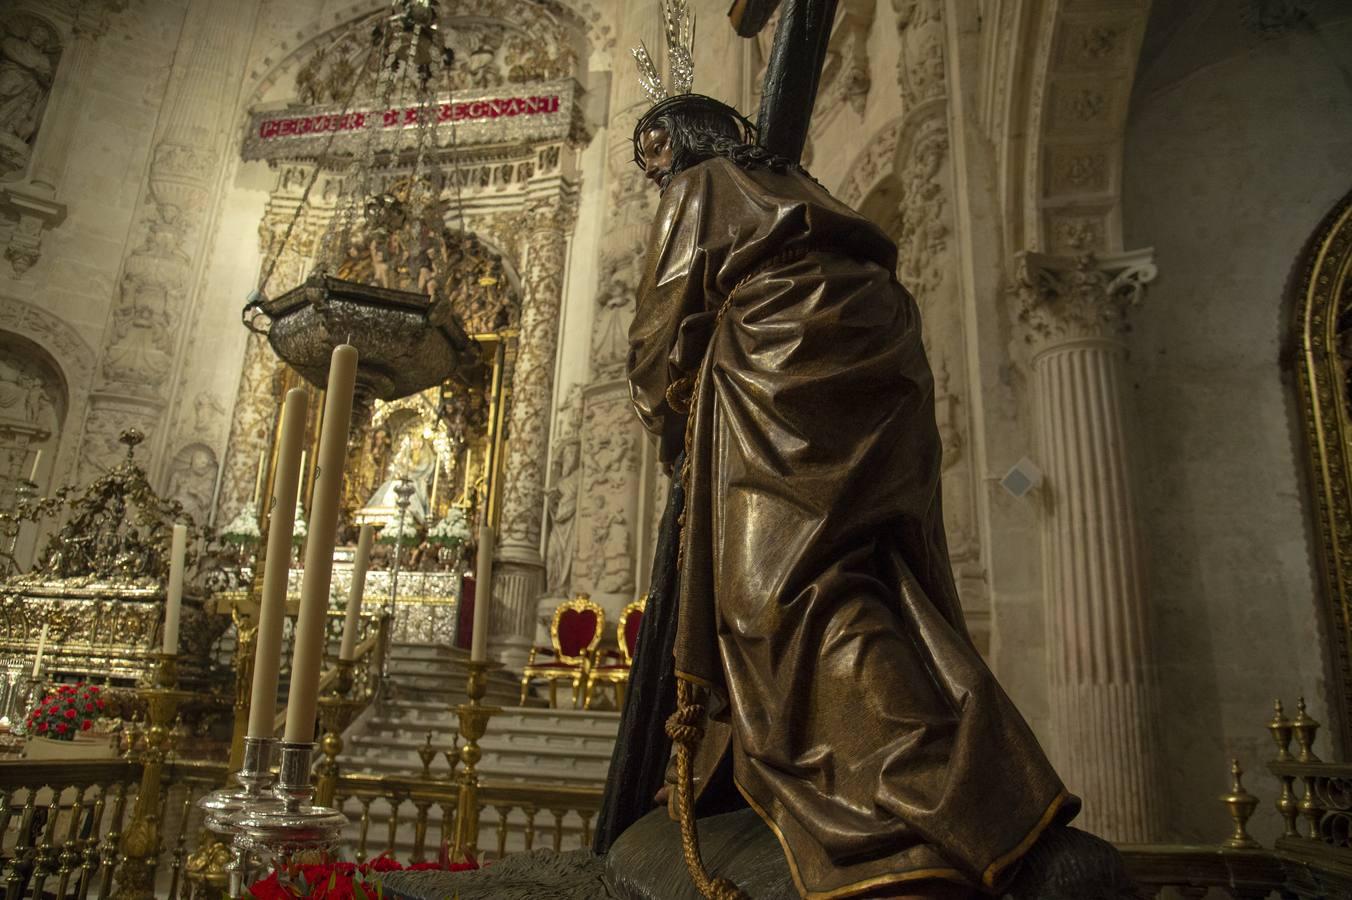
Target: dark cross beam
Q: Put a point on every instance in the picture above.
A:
(795, 68)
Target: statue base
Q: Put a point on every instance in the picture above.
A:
(646, 864)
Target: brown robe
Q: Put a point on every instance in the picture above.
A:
(816, 596)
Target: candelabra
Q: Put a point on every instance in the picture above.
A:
(404, 492)
(251, 792)
(337, 707)
(473, 718)
(290, 830)
(140, 845)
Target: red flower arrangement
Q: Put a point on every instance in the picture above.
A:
(343, 880)
(70, 709)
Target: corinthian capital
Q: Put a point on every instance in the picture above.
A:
(1084, 296)
(555, 213)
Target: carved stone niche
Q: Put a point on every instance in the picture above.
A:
(29, 51)
(33, 403)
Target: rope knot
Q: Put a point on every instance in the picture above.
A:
(686, 725)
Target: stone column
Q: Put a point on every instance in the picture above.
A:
(518, 571)
(153, 297)
(1103, 702)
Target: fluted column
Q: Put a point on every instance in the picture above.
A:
(1103, 702)
(518, 571)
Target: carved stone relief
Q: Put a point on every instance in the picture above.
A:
(615, 300)
(610, 451)
(29, 52)
(496, 42)
(924, 231)
(920, 67)
(192, 480)
(561, 499)
(1083, 296)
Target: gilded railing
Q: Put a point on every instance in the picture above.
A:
(63, 823)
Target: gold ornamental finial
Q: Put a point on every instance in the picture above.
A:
(1305, 729)
(1280, 728)
(131, 437)
(1241, 805)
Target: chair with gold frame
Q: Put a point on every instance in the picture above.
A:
(611, 666)
(575, 631)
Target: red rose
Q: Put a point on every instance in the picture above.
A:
(60, 727)
(93, 689)
(86, 725)
(383, 863)
(70, 713)
(42, 726)
(89, 707)
(101, 705)
(269, 889)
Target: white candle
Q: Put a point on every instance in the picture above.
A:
(277, 566)
(258, 479)
(37, 461)
(354, 594)
(300, 484)
(314, 589)
(432, 497)
(42, 645)
(483, 579)
(173, 601)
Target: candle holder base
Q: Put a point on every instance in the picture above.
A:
(293, 826)
(254, 778)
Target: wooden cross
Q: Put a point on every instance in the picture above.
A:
(795, 67)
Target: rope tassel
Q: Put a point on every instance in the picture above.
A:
(685, 728)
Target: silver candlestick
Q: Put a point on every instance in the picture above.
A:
(222, 807)
(290, 828)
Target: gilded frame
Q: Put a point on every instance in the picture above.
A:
(1323, 329)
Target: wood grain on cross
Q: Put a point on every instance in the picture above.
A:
(795, 67)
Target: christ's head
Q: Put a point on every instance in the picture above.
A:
(687, 129)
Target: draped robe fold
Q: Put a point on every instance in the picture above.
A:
(816, 600)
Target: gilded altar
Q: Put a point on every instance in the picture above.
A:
(100, 582)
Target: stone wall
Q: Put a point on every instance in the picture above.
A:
(1237, 146)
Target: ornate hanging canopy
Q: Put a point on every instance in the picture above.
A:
(392, 277)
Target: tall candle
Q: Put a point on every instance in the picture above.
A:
(314, 589)
(300, 484)
(258, 479)
(277, 566)
(432, 497)
(173, 601)
(42, 645)
(37, 461)
(354, 594)
(483, 580)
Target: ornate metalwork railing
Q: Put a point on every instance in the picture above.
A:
(63, 823)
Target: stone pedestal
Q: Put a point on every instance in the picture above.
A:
(1103, 705)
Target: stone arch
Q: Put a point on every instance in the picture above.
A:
(1073, 67)
(869, 184)
(70, 356)
(284, 58)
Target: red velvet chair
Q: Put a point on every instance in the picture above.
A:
(574, 632)
(612, 667)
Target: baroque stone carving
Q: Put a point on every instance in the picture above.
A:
(1084, 296)
(610, 452)
(922, 238)
(192, 479)
(562, 497)
(872, 166)
(29, 51)
(615, 300)
(920, 67)
(549, 222)
(497, 42)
